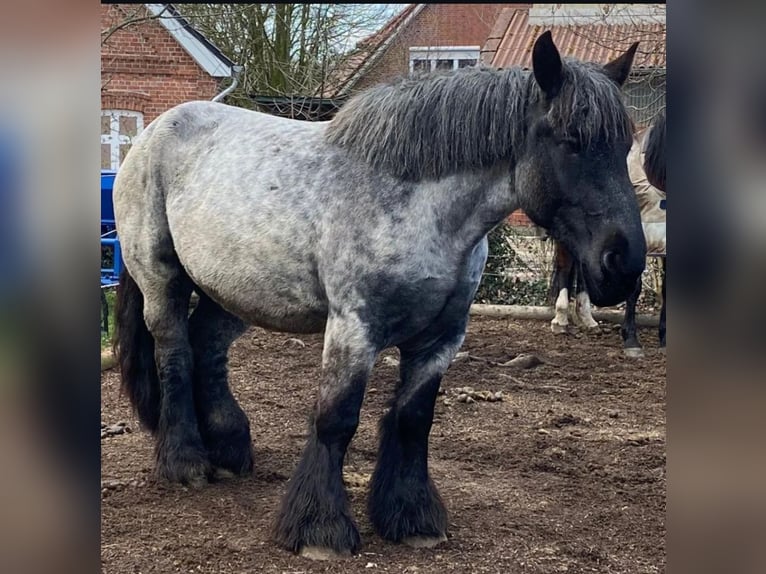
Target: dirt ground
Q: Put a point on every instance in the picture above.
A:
(565, 474)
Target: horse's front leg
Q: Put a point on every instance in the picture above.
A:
(631, 344)
(314, 519)
(583, 313)
(563, 276)
(404, 504)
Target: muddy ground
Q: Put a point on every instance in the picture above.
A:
(565, 474)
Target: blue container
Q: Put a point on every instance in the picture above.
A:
(107, 205)
(109, 275)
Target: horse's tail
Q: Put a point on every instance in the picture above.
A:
(134, 349)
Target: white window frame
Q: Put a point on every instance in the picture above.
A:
(114, 138)
(434, 53)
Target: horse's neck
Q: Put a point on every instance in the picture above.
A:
(470, 204)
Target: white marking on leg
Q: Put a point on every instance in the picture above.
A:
(584, 312)
(560, 321)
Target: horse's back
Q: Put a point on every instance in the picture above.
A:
(191, 125)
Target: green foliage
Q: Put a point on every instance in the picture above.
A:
(106, 339)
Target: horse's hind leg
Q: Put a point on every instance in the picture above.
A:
(631, 344)
(404, 504)
(181, 456)
(314, 518)
(223, 425)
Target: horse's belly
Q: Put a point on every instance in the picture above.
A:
(291, 312)
(266, 295)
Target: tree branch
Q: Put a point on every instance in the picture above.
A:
(130, 21)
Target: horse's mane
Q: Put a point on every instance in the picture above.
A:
(445, 122)
(654, 156)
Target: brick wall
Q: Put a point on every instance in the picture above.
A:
(144, 69)
(519, 219)
(435, 25)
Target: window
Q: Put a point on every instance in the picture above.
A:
(420, 65)
(118, 128)
(425, 59)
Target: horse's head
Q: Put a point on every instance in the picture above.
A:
(572, 175)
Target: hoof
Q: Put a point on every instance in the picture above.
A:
(230, 449)
(413, 514)
(230, 463)
(191, 479)
(314, 532)
(319, 553)
(558, 329)
(424, 541)
(187, 465)
(634, 352)
(197, 482)
(223, 473)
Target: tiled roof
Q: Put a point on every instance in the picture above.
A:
(350, 69)
(511, 41)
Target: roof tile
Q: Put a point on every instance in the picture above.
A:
(591, 42)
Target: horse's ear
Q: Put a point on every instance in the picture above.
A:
(546, 65)
(619, 68)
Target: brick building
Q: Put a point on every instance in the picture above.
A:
(151, 60)
(420, 37)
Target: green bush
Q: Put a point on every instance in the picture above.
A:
(497, 287)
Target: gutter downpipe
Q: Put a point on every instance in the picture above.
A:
(237, 70)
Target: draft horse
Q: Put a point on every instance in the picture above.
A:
(646, 165)
(371, 228)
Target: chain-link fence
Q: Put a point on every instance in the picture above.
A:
(520, 265)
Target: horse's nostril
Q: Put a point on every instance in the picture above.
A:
(610, 260)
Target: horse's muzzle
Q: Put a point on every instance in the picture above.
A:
(612, 278)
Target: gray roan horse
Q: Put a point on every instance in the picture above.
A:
(372, 228)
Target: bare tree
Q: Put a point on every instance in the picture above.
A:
(286, 49)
